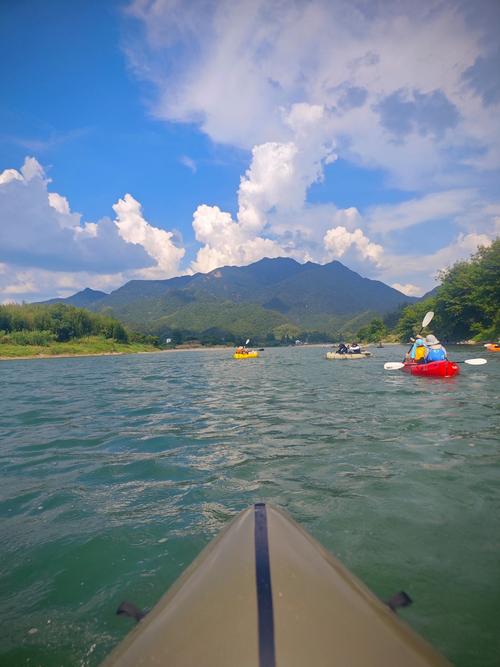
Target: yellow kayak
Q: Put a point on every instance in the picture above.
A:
(264, 593)
(253, 354)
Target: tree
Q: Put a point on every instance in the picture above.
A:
(373, 332)
(286, 332)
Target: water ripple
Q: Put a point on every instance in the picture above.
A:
(117, 470)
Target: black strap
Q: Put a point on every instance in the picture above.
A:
(267, 657)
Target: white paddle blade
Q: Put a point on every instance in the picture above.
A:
(427, 319)
(475, 362)
(393, 365)
(248, 340)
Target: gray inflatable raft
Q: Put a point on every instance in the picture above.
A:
(264, 593)
(344, 357)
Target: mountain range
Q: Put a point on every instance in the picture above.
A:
(249, 300)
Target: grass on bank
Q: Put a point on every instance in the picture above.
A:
(88, 345)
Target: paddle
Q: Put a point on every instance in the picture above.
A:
(396, 365)
(427, 319)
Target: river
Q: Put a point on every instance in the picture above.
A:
(116, 471)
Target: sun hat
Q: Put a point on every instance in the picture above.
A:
(431, 340)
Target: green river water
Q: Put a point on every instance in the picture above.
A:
(116, 471)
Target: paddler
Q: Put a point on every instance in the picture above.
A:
(418, 351)
(436, 351)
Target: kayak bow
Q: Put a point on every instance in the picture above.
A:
(264, 593)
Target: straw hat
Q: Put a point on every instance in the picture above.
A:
(431, 340)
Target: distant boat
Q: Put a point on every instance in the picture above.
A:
(343, 357)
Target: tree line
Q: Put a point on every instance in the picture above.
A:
(466, 304)
(31, 324)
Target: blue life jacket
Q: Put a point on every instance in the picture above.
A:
(436, 355)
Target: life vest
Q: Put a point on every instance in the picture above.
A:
(420, 353)
(436, 355)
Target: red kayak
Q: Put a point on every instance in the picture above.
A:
(433, 369)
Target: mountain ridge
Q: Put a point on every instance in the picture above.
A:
(308, 296)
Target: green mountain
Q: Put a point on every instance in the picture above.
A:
(256, 300)
(84, 299)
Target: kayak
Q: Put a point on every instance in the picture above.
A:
(246, 355)
(493, 347)
(336, 355)
(264, 593)
(435, 369)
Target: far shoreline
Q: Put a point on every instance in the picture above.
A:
(201, 348)
(207, 348)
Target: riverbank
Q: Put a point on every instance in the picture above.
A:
(88, 347)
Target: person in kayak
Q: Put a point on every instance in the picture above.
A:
(354, 348)
(436, 351)
(342, 349)
(418, 351)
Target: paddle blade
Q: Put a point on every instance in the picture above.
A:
(475, 362)
(393, 365)
(248, 340)
(427, 319)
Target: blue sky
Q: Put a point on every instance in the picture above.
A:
(148, 139)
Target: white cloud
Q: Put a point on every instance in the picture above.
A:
(431, 207)
(233, 67)
(424, 269)
(10, 175)
(189, 163)
(40, 284)
(408, 289)
(40, 237)
(381, 85)
(339, 240)
(274, 186)
(38, 230)
(226, 242)
(158, 243)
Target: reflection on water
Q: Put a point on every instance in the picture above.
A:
(117, 470)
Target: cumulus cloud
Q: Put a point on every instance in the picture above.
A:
(134, 229)
(226, 242)
(40, 233)
(275, 185)
(339, 240)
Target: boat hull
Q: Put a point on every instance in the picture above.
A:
(264, 593)
(345, 357)
(435, 369)
(493, 347)
(250, 355)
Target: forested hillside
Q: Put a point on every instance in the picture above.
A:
(257, 300)
(466, 304)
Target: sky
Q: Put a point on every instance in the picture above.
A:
(156, 138)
